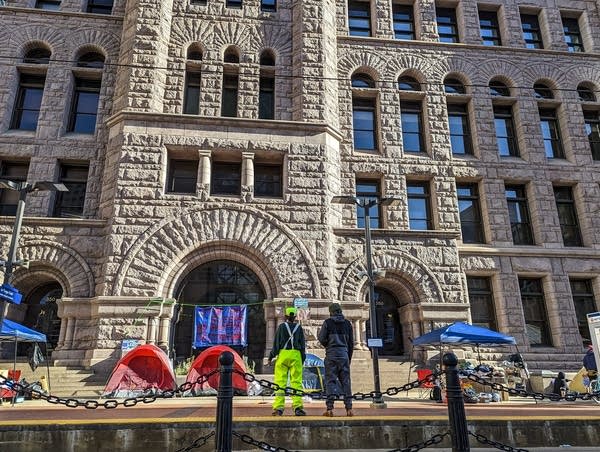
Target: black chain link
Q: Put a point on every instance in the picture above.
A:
(109, 403)
(262, 445)
(484, 440)
(320, 395)
(198, 442)
(570, 397)
(435, 439)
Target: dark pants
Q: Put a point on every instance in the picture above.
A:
(337, 380)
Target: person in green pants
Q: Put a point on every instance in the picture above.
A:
(289, 352)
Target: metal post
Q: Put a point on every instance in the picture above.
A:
(225, 404)
(377, 401)
(456, 406)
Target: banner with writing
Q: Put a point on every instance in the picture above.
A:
(220, 325)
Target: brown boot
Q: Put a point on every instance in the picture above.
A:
(328, 413)
(349, 412)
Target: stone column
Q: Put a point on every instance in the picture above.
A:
(203, 184)
(69, 333)
(247, 176)
(151, 330)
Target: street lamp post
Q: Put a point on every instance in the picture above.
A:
(24, 188)
(367, 204)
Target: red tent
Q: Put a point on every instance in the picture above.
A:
(208, 361)
(144, 369)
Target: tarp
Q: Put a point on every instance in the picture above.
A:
(313, 373)
(206, 362)
(220, 325)
(463, 333)
(12, 331)
(144, 370)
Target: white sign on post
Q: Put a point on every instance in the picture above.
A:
(593, 319)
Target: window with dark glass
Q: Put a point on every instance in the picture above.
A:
(490, 28)
(592, 130)
(28, 102)
(572, 34)
(233, 4)
(268, 180)
(454, 86)
(412, 127)
(194, 54)
(267, 58)
(407, 83)
(505, 131)
(48, 5)
(586, 93)
(266, 97)
(198, 2)
(498, 88)
(364, 125)
(268, 6)
(419, 206)
(191, 95)
(470, 213)
(447, 25)
(534, 310)
(231, 56)
(404, 21)
(532, 33)
(229, 100)
(37, 56)
(17, 172)
(182, 176)
(368, 190)
(226, 178)
(69, 204)
(567, 216)
(542, 91)
(93, 60)
(551, 133)
(585, 303)
(100, 6)
(518, 212)
(362, 81)
(482, 302)
(84, 109)
(359, 18)
(460, 132)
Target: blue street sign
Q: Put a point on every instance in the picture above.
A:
(10, 293)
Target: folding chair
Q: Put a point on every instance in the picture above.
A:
(426, 387)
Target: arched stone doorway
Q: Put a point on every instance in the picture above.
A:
(388, 322)
(222, 282)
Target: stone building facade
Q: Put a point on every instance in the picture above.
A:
(224, 129)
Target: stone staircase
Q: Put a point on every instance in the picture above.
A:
(394, 371)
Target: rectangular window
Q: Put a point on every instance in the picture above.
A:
(359, 18)
(551, 133)
(482, 302)
(572, 34)
(48, 5)
(490, 29)
(230, 95)
(404, 22)
(182, 176)
(198, 2)
(191, 96)
(592, 130)
(84, 109)
(505, 131)
(534, 309)
(447, 25)
(226, 179)
(268, 6)
(364, 124)
(470, 213)
(15, 171)
(100, 6)
(412, 127)
(531, 31)
(419, 206)
(233, 4)
(268, 181)
(266, 97)
(69, 204)
(368, 190)
(567, 216)
(518, 212)
(583, 299)
(29, 101)
(460, 132)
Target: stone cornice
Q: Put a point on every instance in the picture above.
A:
(528, 251)
(74, 14)
(51, 221)
(399, 234)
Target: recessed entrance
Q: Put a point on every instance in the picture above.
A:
(388, 322)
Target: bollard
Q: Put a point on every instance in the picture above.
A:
(456, 406)
(225, 404)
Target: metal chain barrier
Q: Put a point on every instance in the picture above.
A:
(393, 390)
(435, 439)
(262, 445)
(198, 442)
(536, 395)
(484, 440)
(109, 403)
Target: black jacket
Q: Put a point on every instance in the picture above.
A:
(336, 336)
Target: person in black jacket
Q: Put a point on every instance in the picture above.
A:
(338, 339)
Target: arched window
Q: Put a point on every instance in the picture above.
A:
(91, 59)
(266, 94)
(267, 58)
(542, 91)
(231, 56)
(194, 54)
(362, 81)
(364, 113)
(586, 93)
(454, 86)
(39, 55)
(498, 88)
(406, 83)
